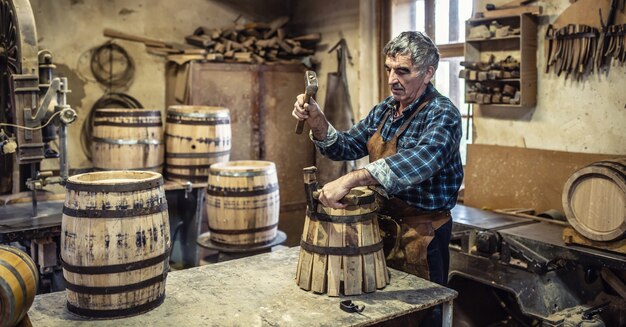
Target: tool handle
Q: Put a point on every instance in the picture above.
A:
(108, 32)
(300, 126)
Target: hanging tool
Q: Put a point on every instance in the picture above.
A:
(310, 83)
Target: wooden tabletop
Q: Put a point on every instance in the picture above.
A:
(256, 291)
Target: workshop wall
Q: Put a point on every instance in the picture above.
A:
(587, 116)
(72, 28)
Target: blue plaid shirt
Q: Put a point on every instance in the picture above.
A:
(426, 171)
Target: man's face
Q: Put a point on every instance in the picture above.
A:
(405, 82)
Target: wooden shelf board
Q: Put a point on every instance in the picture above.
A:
(510, 37)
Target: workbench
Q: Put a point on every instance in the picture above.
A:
(258, 291)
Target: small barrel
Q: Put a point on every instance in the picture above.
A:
(594, 200)
(242, 202)
(18, 285)
(127, 139)
(195, 138)
(342, 249)
(115, 243)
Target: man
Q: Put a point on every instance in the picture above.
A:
(412, 139)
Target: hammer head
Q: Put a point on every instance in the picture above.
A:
(310, 82)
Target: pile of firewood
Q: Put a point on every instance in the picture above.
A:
(241, 42)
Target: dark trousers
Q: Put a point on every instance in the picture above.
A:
(438, 265)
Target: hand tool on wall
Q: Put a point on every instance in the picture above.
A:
(108, 32)
(310, 83)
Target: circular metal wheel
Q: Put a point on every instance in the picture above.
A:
(18, 55)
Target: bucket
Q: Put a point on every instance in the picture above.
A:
(341, 250)
(127, 139)
(18, 285)
(594, 200)
(115, 243)
(195, 138)
(242, 202)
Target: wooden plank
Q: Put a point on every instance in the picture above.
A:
(307, 260)
(381, 267)
(318, 282)
(352, 269)
(571, 236)
(509, 177)
(335, 239)
(302, 254)
(369, 263)
(535, 10)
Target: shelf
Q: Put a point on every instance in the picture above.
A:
(495, 80)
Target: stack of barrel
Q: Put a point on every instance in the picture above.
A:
(594, 200)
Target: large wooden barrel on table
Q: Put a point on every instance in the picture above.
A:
(243, 202)
(127, 139)
(195, 138)
(342, 249)
(18, 285)
(115, 243)
(594, 200)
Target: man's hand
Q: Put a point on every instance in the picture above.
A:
(313, 115)
(334, 191)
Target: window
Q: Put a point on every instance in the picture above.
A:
(447, 29)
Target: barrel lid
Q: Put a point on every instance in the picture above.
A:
(114, 181)
(243, 168)
(198, 111)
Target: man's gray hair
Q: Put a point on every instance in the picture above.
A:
(418, 46)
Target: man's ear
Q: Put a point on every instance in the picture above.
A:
(428, 75)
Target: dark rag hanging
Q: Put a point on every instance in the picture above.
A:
(338, 111)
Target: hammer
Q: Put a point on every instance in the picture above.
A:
(310, 84)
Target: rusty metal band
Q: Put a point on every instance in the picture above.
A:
(344, 250)
(107, 123)
(130, 113)
(126, 141)
(198, 155)
(114, 269)
(191, 178)
(215, 191)
(99, 188)
(104, 290)
(121, 213)
(340, 219)
(207, 122)
(4, 285)
(116, 312)
(138, 168)
(243, 231)
(243, 173)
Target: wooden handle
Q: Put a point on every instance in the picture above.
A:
(300, 125)
(135, 38)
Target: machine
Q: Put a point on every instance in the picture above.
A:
(521, 267)
(33, 113)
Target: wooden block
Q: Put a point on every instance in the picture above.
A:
(274, 25)
(314, 37)
(243, 56)
(318, 282)
(369, 263)
(352, 268)
(472, 75)
(482, 76)
(335, 239)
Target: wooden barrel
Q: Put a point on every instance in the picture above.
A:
(127, 139)
(243, 202)
(18, 285)
(342, 249)
(115, 243)
(195, 138)
(594, 200)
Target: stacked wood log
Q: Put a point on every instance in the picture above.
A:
(241, 42)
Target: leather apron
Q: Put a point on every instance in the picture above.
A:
(407, 231)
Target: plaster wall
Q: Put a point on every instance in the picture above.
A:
(72, 28)
(587, 116)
